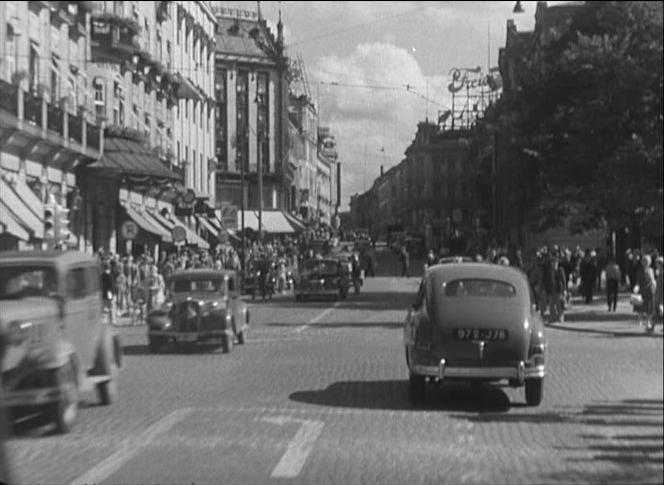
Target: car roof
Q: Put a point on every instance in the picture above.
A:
(203, 272)
(452, 271)
(47, 256)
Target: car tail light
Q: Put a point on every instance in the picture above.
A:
(18, 332)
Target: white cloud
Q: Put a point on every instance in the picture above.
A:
(370, 108)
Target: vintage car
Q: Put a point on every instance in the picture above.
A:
(322, 277)
(455, 259)
(57, 344)
(204, 308)
(475, 322)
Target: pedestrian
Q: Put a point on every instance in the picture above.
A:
(612, 283)
(659, 303)
(405, 262)
(121, 285)
(647, 285)
(588, 276)
(431, 259)
(108, 291)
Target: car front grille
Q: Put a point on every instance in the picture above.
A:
(188, 317)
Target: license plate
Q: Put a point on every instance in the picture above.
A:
(186, 337)
(480, 334)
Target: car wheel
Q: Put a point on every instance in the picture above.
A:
(417, 389)
(357, 288)
(64, 411)
(298, 297)
(534, 391)
(240, 338)
(227, 344)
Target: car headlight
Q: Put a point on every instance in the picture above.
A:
(526, 324)
(18, 332)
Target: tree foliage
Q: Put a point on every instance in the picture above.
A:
(590, 106)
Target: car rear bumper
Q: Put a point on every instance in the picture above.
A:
(443, 370)
(191, 336)
(317, 291)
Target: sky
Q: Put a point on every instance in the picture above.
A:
(372, 50)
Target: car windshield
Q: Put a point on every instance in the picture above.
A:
(320, 267)
(24, 281)
(198, 285)
(479, 288)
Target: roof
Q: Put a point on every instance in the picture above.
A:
(45, 256)
(131, 157)
(450, 271)
(252, 38)
(203, 272)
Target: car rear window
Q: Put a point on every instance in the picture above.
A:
(198, 285)
(479, 288)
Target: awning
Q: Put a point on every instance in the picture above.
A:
(24, 205)
(144, 221)
(192, 237)
(297, 224)
(9, 224)
(208, 226)
(274, 222)
(131, 158)
(169, 225)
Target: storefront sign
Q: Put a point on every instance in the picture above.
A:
(129, 230)
(229, 215)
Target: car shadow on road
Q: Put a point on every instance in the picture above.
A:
(394, 395)
(170, 349)
(605, 333)
(598, 316)
(358, 325)
(369, 301)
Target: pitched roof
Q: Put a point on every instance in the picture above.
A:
(133, 158)
(244, 37)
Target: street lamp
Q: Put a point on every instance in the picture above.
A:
(518, 8)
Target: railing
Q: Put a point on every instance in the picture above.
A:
(9, 97)
(32, 108)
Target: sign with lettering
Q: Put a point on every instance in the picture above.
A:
(229, 215)
(129, 230)
(178, 234)
(473, 78)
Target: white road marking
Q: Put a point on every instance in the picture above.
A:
(131, 447)
(298, 450)
(317, 318)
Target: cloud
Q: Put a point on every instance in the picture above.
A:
(364, 100)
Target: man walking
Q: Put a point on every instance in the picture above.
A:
(612, 283)
(405, 262)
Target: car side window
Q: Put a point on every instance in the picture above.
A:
(76, 283)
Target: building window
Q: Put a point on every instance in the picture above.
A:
(203, 174)
(221, 121)
(242, 114)
(178, 153)
(194, 162)
(263, 120)
(186, 109)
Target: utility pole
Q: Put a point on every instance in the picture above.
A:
(244, 240)
(259, 167)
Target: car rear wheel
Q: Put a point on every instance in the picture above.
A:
(63, 412)
(534, 391)
(154, 344)
(417, 388)
(107, 391)
(240, 338)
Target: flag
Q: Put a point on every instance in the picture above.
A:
(442, 118)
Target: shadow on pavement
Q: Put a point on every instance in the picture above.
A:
(172, 349)
(598, 316)
(394, 395)
(640, 332)
(358, 325)
(370, 301)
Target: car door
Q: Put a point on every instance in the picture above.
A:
(414, 317)
(233, 299)
(77, 328)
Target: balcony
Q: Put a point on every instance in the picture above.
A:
(113, 38)
(33, 126)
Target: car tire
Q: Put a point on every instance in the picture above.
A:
(107, 391)
(240, 338)
(298, 297)
(534, 391)
(357, 288)
(417, 389)
(227, 344)
(63, 412)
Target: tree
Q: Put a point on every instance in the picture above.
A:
(591, 110)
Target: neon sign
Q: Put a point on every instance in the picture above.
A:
(471, 78)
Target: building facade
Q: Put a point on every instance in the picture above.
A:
(251, 93)
(303, 155)
(48, 131)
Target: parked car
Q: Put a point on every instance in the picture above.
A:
(57, 344)
(475, 322)
(204, 308)
(322, 277)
